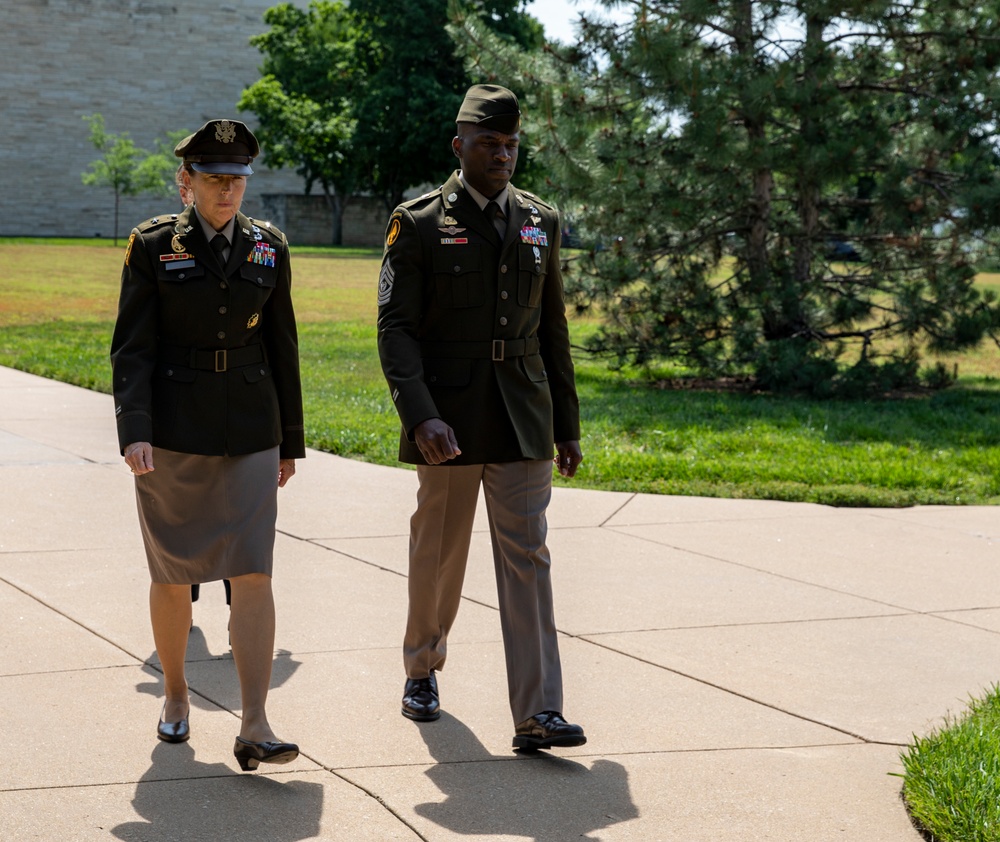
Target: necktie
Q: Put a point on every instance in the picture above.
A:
(496, 216)
(220, 245)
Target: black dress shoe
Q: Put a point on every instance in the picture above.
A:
(173, 732)
(251, 755)
(547, 730)
(420, 699)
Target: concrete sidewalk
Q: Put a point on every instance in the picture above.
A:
(745, 670)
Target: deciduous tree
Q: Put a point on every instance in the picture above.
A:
(123, 167)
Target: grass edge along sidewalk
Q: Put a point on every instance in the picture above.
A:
(951, 778)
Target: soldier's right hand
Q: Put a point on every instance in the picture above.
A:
(139, 457)
(436, 441)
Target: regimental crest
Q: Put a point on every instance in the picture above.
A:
(225, 131)
(177, 245)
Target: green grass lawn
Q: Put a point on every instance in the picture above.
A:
(952, 777)
(57, 309)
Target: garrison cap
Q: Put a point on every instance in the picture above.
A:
(222, 147)
(491, 107)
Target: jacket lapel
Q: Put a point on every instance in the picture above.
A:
(243, 243)
(188, 229)
(465, 210)
(518, 214)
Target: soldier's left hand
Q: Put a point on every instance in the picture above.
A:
(568, 457)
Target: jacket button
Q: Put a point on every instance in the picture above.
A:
(223, 285)
(260, 282)
(503, 320)
(503, 269)
(221, 334)
(181, 276)
(222, 311)
(262, 372)
(434, 378)
(170, 372)
(457, 269)
(503, 295)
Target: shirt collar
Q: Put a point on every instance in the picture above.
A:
(228, 230)
(480, 199)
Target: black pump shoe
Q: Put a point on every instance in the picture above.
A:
(174, 732)
(250, 755)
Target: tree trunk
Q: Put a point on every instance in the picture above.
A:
(759, 211)
(336, 206)
(804, 244)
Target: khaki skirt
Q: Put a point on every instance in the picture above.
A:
(205, 518)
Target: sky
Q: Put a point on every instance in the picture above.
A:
(558, 16)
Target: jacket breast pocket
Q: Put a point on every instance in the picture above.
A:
(178, 271)
(458, 276)
(264, 277)
(531, 275)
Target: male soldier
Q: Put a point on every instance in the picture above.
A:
(474, 345)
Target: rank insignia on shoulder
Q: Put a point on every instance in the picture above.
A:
(385, 280)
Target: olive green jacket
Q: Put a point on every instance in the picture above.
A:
(205, 357)
(473, 331)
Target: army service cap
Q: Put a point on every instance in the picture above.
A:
(491, 107)
(220, 147)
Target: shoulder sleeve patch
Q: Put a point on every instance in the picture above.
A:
(392, 231)
(128, 248)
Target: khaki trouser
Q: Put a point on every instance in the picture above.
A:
(517, 495)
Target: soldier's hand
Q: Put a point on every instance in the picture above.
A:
(436, 441)
(286, 470)
(139, 457)
(568, 457)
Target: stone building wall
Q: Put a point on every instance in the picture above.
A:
(310, 218)
(149, 67)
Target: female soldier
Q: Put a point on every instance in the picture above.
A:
(209, 409)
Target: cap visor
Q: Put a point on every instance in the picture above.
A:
(222, 168)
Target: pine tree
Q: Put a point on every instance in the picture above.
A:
(721, 159)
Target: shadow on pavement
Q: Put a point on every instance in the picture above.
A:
(538, 796)
(180, 798)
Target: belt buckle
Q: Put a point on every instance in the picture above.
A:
(497, 350)
(220, 360)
